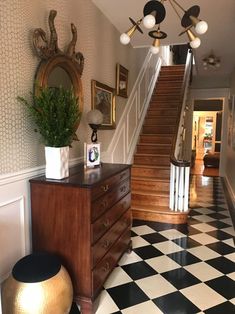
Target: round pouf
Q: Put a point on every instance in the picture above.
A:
(39, 284)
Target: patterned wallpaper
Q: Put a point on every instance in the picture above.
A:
(98, 40)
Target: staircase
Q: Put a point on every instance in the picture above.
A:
(151, 167)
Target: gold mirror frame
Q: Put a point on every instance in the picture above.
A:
(70, 61)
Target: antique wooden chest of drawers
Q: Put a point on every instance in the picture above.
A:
(86, 220)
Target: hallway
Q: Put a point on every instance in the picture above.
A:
(200, 169)
(178, 271)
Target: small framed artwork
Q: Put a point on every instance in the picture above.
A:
(103, 99)
(92, 154)
(121, 81)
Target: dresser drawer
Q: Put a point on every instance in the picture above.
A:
(109, 183)
(106, 265)
(109, 238)
(99, 206)
(102, 224)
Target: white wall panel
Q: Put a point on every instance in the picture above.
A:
(132, 119)
(119, 152)
(12, 234)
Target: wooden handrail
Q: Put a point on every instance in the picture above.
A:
(187, 73)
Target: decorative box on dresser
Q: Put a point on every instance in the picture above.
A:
(86, 220)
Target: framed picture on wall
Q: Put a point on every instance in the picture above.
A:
(103, 99)
(121, 80)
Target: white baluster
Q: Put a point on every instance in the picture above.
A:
(172, 187)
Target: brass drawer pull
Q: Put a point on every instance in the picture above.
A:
(106, 223)
(103, 205)
(106, 267)
(105, 187)
(106, 244)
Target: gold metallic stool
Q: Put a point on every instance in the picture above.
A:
(39, 284)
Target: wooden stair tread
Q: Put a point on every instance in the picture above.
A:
(160, 93)
(154, 208)
(165, 134)
(155, 144)
(161, 109)
(180, 66)
(159, 209)
(155, 179)
(151, 154)
(150, 166)
(173, 84)
(155, 134)
(159, 125)
(151, 193)
(160, 214)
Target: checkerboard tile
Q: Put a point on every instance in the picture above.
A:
(177, 268)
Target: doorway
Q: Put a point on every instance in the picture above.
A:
(206, 137)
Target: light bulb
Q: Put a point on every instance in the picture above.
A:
(201, 27)
(211, 59)
(94, 117)
(195, 43)
(154, 50)
(125, 39)
(149, 21)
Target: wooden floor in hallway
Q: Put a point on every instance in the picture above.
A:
(199, 169)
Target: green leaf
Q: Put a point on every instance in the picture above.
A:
(56, 113)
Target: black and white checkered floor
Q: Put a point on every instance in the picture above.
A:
(178, 271)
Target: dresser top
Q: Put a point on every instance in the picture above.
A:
(85, 177)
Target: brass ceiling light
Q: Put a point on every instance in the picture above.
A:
(211, 61)
(154, 13)
(156, 35)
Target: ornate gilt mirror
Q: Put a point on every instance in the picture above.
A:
(58, 68)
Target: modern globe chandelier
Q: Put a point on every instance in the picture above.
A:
(154, 13)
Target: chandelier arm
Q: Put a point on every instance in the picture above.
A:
(136, 24)
(174, 8)
(178, 5)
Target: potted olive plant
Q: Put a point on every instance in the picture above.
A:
(56, 114)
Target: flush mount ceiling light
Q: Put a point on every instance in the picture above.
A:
(154, 13)
(211, 61)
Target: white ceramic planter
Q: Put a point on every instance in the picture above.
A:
(57, 162)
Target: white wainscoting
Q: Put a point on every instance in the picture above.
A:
(15, 234)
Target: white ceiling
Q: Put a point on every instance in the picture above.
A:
(220, 37)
